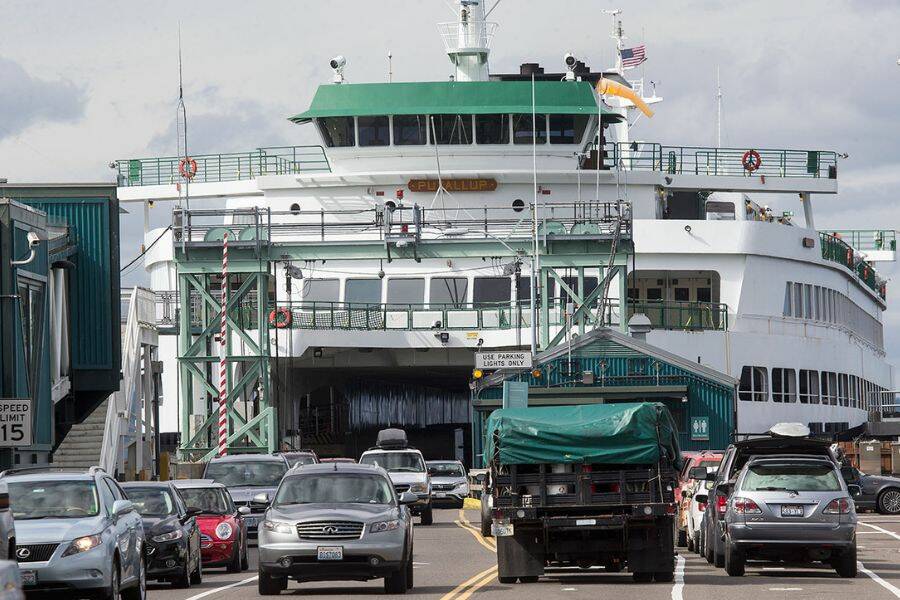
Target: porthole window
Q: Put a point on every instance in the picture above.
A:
(518, 205)
(295, 208)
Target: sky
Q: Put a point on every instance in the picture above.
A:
(85, 83)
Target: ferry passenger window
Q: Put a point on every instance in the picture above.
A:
(829, 387)
(449, 290)
(405, 291)
(363, 291)
(410, 130)
(337, 132)
(321, 290)
(567, 129)
(809, 386)
(682, 294)
(491, 290)
(807, 301)
(654, 293)
(491, 129)
(786, 311)
(452, 129)
(719, 211)
(854, 392)
(374, 131)
(753, 387)
(523, 132)
(784, 385)
(704, 294)
(843, 389)
(798, 300)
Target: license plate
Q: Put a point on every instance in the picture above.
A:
(331, 552)
(502, 529)
(584, 522)
(791, 510)
(440, 494)
(251, 521)
(29, 577)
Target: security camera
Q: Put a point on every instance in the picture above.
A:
(570, 60)
(33, 239)
(338, 62)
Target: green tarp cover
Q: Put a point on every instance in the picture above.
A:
(626, 433)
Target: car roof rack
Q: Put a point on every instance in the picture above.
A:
(45, 468)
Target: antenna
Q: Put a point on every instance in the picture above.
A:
(390, 58)
(618, 34)
(181, 129)
(718, 110)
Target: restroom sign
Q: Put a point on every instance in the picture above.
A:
(699, 429)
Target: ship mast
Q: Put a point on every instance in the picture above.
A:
(468, 39)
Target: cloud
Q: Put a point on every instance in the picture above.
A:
(26, 100)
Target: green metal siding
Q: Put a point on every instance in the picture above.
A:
(92, 215)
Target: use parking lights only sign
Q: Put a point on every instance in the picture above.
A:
(15, 422)
(490, 361)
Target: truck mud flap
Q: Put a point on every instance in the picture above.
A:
(651, 547)
(520, 555)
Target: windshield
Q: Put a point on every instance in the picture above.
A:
(445, 470)
(301, 459)
(211, 501)
(338, 488)
(797, 478)
(151, 502)
(246, 474)
(395, 462)
(53, 499)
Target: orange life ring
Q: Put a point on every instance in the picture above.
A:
(751, 160)
(187, 167)
(280, 318)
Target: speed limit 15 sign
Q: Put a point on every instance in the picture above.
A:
(15, 422)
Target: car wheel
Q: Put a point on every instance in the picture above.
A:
(427, 516)
(889, 502)
(396, 582)
(506, 580)
(113, 591)
(197, 575)
(846, 565)
(734, 560)
(269, 585)
(235, 565)
(681, 538)
(245, 562)
(409, 571)
(642, 577)
(529, 579)
(664, 576)
(690, 543)
(183, 579)
(485, 527)
(139, 591)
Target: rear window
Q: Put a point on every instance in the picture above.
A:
(798, 478)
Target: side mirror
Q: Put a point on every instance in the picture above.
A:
(261, 498)
(244, 510)
(701, 498)
(701, 473)
(849, 474)
(190, 513)
(122, 507)
(854, 490)
(408, 498)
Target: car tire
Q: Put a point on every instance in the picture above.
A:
(613, 567)
(846, 565)
(681, 538)
(664, 576)
(642, 577)
(718, 557)
(139, 591)
(114, 590)
(734, 560)
(529, 579)
(396, 582)
(183, 579)
(197, 575)
(235, 565)
(245, 561)
(690, 543)
(507, 580)
(269, 585)
(889, 502)
(409, 572)
(427, 515)
(485, 528)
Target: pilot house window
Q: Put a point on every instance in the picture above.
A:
(374, 131)
(567, 129)
(452, 129)
(492, 129)
(410, 130)
(523, 132)
(337, 131)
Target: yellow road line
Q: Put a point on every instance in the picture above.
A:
(477, 536)
(478, 585)
(475, 579)
(463, 521)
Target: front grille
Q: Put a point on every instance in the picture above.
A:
(330, 530)
(443, 487)
(400, 488)
(205, 538)
(35, 552)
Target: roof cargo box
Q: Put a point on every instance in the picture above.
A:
(391, 438)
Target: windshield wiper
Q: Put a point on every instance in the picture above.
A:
(778, 489)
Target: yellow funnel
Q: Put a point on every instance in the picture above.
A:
(612, 88)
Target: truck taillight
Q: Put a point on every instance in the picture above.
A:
(745, 506)
(838, 506)
(670, 509)
(721, 504)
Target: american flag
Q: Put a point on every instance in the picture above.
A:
(632, 57)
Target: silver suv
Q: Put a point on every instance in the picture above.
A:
(76, 532)
(406, 467)
(449, 482)
(336, 522)
(794, 508)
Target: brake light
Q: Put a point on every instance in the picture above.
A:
(701, 506)
(670, 509)
(745, 506)
(838, 506)
(721, 504)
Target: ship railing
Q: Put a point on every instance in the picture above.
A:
(276, 160)
(699, 160)
(473, 36)
(687, 316)
(588, 220)
(867, 240)
(836, 250)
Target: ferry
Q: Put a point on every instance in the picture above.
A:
(411, 232)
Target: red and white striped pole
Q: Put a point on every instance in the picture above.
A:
(223, 366)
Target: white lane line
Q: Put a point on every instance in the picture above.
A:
(678, 588)
(881, 530)
(874, 576)
(785, 589)
(223, 588)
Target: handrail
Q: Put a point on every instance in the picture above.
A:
(836, 250)
(867, 239)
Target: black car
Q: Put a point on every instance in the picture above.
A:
(875, 491)
(171, 531)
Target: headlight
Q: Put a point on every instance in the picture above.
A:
(83, 544)
(419, 488)
(277, 527)
(223, 531)
(384, 526)
(169, 536)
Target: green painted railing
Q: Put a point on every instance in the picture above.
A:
(867, 240)
(278, 160)
(699, 160)
(835, 249)
(682, 315)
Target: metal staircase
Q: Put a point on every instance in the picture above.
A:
(81, 447)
